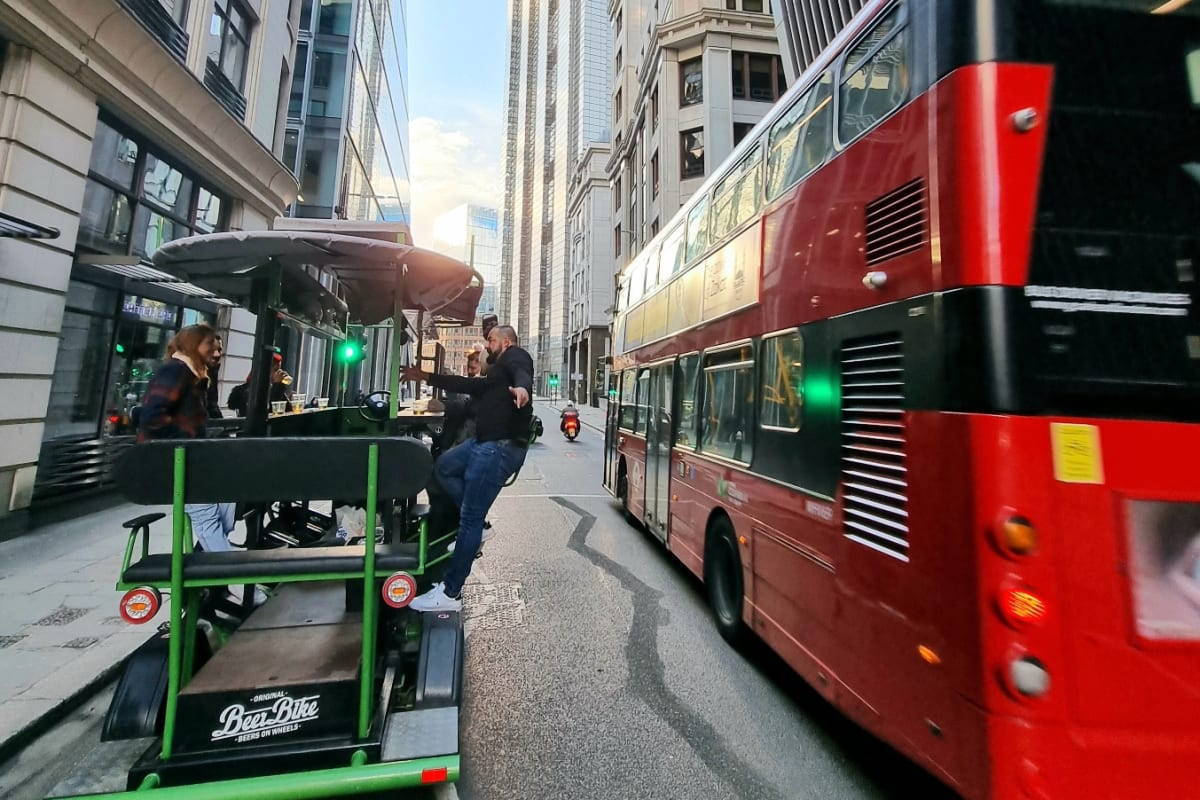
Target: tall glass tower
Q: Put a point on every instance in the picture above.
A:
(347, 126)
(558, 103)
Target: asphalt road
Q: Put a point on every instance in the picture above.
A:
(594, 673)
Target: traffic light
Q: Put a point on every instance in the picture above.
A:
(352, 351)
(554, 380)
(120, 348)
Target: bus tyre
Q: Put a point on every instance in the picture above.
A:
(723, 580)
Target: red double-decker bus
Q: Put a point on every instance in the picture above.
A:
(913, 384)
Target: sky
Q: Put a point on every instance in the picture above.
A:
(456, 84)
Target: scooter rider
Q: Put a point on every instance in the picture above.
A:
(570, 412)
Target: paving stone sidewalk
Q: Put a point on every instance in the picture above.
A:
(61, 637)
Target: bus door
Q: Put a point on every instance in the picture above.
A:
(658, 449)
(611, 459)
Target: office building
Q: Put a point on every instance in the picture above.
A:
(806, 27)
(127, 123)
(471, 233)
(558, 99)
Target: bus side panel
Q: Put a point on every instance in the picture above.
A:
(632, 450)
(910, 628)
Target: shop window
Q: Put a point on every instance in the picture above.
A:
(229, 40)
(692, 154)
(691, 77)
(80, 375)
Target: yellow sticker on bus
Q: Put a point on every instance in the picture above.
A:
(1077, 456)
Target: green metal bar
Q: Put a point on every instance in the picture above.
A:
(367, 779)
(370, 600)
(359, 758)
(129, 555)
(423, 542)
(151, 781)
(189, 634)
(174, 654)
(193, 583)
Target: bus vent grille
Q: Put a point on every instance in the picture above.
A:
(896, 222)
(874, 463)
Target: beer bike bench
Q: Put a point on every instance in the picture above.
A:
(324, 690)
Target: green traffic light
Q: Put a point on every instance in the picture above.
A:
(120, 348)
(350, 352)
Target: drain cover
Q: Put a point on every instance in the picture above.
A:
(488, 606)
(8, 641)
(62, 616)
(82, 643)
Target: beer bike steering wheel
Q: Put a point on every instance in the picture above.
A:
(375, 407)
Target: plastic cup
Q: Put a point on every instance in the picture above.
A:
(278, 406)
(322, 402)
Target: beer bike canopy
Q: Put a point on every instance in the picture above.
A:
(325, 280)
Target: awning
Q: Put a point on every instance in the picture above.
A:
(140, 271)
(16, 228)
(367, 271)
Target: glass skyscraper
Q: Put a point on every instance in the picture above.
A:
(558, 103)
(347, 126)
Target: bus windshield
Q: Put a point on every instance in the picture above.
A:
(1113, 278)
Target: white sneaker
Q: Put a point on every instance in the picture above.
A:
(487, 534)
(436, 599)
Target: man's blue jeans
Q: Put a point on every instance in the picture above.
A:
(472, 473)
(211, 524)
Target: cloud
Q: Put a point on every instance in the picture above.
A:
(453, 162)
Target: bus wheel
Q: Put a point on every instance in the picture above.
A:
(723, 580)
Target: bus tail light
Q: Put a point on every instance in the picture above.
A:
(1016, 535)
(140, 605)
(1020, 606)
(399, 589)
(1025, 677)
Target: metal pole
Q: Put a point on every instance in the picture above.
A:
(260, 372)
(420, 349)
(397, 347)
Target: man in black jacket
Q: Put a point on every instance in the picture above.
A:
(472, 473)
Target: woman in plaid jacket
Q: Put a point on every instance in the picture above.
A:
(176, 407)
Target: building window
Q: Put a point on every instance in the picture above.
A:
(617, 241)
(740, 130)
(654, 228)
(617, 194)
(654, 110)
(757, 76)
(691, 82)
(617, 64)
(749, 6)
(692, 153)
(135, 200)
(617, 108)
(654, 175)
(229, 40)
